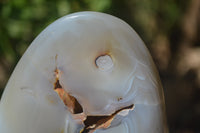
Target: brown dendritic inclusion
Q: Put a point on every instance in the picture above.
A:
(91, 123)
(70, 101)
(96, 122)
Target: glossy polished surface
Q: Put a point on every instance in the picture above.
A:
(102, 63)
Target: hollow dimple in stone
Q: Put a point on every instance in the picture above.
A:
(104, 63)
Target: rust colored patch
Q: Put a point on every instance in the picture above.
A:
(62, 131)
(107, 50)
(119, 99)
(73, 105)
(96, 122)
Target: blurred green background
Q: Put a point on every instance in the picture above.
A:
(170, 29)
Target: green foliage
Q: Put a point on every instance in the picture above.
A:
(21, 20)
